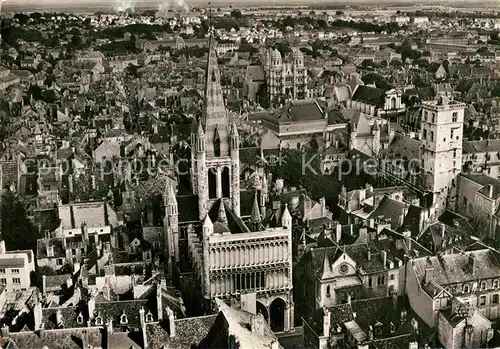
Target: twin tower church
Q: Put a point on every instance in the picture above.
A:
(230, 259)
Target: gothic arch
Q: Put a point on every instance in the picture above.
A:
(393, 103)
(277, 310)
(261, 308)
(226, 182)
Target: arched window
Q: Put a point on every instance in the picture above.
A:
(495, 284)
(298, 145)
(123, 319)
(483, 285)
(212, 183)
(149, 317)
(79, 319)
(214, 77)
(98, 321)
(328, 291)
(226, 182)
(465, 288)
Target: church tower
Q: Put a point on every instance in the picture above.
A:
(171, 226)
(441, 153)
(215, 162)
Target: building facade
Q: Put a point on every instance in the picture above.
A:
(441, 149)
(285, 78)
(229, 259)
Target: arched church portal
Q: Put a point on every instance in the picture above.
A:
(277, 314)
(261, 308)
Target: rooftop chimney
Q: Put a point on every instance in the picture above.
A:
(369, 254)
(383, 254)
(443, 230)
(338, 232)
(322, 203)
(5, 331)
(490, 191)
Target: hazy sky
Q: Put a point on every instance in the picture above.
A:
(99, 4)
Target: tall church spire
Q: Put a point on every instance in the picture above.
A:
(214, 118)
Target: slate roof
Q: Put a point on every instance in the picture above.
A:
(298, 110)
(189, 332)
(368, 312)
(58, 339)
(484, 146)
(485, 180)
(11, 262)
(114, 310)
(404, 147)
(69, 317)
(389, 209)
(459, 268)
(369, 95)
(234, 224)
(93, 214)
(402, 341)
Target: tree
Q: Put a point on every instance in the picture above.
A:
(396, 63)
(236, 14)
(76, 41)
(132, 71)
(339, 13)
(17, 230)
(49, 96)
(379, 81)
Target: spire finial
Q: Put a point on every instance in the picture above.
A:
(210, 19)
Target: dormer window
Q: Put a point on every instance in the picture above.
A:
(465, 288)
(123, 319)
(149, 317)
(483, 285)
(79, 319)
(98, 321)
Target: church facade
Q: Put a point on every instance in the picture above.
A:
(229, 259)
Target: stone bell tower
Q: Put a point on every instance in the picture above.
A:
(215, 161)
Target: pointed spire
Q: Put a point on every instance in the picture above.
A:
(234, 129)
(214, 115)
(286, 214)
(376, 126)
(327, 268)
(208, 226)
(200, 132)
(222, 218)
(255, 210)
(171, 192)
